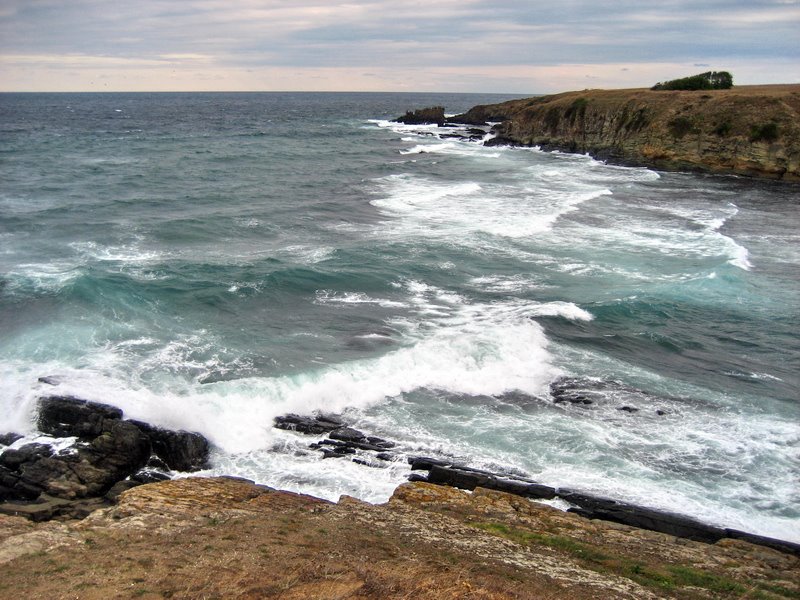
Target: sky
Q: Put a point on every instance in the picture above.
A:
(504, 46)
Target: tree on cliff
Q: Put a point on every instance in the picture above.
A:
(711, 80)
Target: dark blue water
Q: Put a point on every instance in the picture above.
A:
(209, 261)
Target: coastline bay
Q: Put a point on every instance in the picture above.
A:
(210, 261)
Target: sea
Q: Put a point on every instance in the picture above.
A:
(209, 261)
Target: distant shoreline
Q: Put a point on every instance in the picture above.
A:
(752, 131)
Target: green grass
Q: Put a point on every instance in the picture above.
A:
(666, 577)
(768, 132)
(680, 126)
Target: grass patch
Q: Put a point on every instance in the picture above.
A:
(662, 576)
(778, 590)
(680, 126)
(767, 132)
(576, 110)
(556, 542)
(723, 129)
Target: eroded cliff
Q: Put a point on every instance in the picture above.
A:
(748, 130)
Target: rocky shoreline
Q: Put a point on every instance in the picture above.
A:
(751, 131)
(103, 456)
(106, 455)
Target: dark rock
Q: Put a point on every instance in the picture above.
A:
(380, 442)
(417, 477)
(433, 115)
(42, 509)
(154, 462)
(121, 449)
(46, 508)
(49, 380)
(73, 482)
(480, 115)
(347, 434)
(13, 459)
(661, 413)
(149, 476)
(576, 391)
(500, 141)
(87, 469)
(352, 445)
(327, 442)
(385, 456)
(426, 463)
(606, 509)
(64, 416)
(309, 425)
(629, 409)
(121, 486)
(180, 450)
(7, 439)
(338, 452)
(12, 488)
(760, 540)
(470, 479)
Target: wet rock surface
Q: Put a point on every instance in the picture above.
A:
(108, 454)
(345, 442)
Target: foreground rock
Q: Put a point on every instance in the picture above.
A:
(747, 130)
(229, 538)
(109, 456)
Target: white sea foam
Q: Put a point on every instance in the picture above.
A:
(456, 148)
(125, 253)
(49, 277)
(460, 210)
(331, 297)
(308, 254)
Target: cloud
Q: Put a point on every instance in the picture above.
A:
(197, 38)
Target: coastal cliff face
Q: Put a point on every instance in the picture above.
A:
(230, 538)
(748, 130)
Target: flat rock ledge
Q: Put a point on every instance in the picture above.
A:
(345, 442)
(107, 456)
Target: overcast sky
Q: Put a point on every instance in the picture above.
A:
(510, 46)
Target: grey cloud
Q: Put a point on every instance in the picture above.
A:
(407, 33)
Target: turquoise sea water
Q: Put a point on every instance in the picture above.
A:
(210, 261)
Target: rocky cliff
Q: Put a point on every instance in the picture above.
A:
(748, 130)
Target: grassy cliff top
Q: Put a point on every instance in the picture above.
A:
(746, 130)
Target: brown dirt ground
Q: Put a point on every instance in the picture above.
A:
(226, 538)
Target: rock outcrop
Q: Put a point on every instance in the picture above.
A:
(230, 538)
(748, 130)
(433, 115)
(109, 455)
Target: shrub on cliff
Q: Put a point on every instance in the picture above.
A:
(767, 132)
(711, 80)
